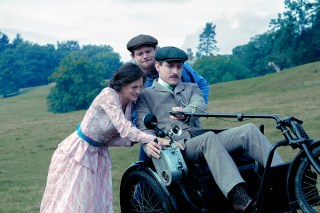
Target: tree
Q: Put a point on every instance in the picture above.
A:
(296, 32)
(35, 63)
(17, 40)
(69, 45)
(76, 83)
(105, 57)
(207, 43)
(293, 39)
(66, 47)
(9, 75)
(80, 76)
(221, 68)
(257, 54)
(24, 64)
(4, 41)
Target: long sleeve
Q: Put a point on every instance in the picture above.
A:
(190, 75)
(105, 121)
(196, 103)
(143, 109)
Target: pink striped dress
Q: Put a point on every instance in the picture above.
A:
(79, 177)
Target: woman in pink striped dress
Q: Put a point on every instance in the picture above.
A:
(79, 177)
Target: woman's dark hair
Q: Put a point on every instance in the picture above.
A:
(125, 75)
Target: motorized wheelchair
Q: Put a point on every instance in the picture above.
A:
(169, 185)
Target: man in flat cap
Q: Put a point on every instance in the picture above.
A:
(169, 93)
(143, 49)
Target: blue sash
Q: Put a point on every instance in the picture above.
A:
(87, 139)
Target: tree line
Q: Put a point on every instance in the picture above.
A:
(293, 39)
(25, 64)
(79, 73)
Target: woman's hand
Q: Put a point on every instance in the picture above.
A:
(166, 142)
(152, 149)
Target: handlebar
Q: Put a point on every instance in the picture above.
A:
(239, 116)
(282, 124)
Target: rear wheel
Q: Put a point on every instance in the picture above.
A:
(307, 184)
(141, 192)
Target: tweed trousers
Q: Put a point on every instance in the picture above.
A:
(216, 149)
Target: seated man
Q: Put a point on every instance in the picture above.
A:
(168, 93)
(143, 49)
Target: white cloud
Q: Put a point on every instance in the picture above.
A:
(114, 22)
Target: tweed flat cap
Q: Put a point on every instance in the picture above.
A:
(170, 54)
(141, 40)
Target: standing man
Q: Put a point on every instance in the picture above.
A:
(143, 50)
(168, 93)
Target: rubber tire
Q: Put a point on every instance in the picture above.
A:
(307, 185)
(141, 192)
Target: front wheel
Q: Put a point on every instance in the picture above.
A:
(141, 192)
(307, 184)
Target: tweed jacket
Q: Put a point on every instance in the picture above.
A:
(159, 100)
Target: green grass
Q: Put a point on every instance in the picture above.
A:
(29, 134)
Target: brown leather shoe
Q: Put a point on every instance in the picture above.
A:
(241, 201)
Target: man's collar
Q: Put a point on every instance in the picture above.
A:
(165, 84)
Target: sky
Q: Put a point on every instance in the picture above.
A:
(114, 22)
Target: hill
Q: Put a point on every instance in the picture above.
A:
(294, 92)
(29, 134)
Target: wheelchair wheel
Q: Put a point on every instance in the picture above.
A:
(307, 184)
(141, 192)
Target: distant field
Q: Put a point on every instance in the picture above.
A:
(29, 134)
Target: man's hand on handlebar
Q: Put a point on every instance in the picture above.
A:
(177, 115)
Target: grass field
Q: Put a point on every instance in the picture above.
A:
(29, 134)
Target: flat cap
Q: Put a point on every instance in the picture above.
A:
(170, 54)
(141, 40)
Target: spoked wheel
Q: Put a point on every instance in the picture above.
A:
(307, 185)
(141, 192)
